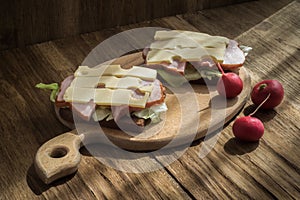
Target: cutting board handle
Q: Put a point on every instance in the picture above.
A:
(58, 157)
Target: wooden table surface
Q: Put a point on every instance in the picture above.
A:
(268, 169)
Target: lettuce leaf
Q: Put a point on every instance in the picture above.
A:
(102, 113)
(172, 79)
(190, 74)
(53, 86)
(152, 113)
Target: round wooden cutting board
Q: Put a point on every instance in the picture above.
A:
(193, 112)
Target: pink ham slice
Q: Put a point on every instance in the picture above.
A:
(234, 57)
(84, 110)
(206, 62)
(157, 95)
(63, 87)
(145, 52)
(175, 66)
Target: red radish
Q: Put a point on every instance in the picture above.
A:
(249, 128)
(229, 85)
(262, 89)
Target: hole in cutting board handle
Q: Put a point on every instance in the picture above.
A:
(59, 152)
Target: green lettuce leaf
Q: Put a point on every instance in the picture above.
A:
(190, 74)
(54, 87)
(172, 79)
(152, 113)
(102, 113)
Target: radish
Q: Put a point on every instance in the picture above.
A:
(229, 85)
(249, 128)
(262, 89)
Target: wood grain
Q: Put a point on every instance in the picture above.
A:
(265, 170)
(32, 21)
(270, 168)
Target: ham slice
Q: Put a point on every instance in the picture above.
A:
(157, 95)
(145, 52)
(234, 57)
(204, 63)
(63, 87)
(84, 110)
(174, 67)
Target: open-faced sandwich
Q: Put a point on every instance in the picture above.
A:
(135, 97)
(113, 96)
(181, 56)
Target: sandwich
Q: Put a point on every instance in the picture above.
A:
(184, 56)
(115, 97)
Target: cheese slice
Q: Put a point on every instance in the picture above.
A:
(110, 85)
(163, 35)
(116, 70)
(185, 42)
(106, 96)
(186, 54)
(187, 45)
(196, 36)
(173, 43)
(112, 82)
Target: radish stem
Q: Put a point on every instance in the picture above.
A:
(262, 86)
(220, 68)
(260, 104)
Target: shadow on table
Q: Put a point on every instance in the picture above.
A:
(37, 186)
(263, 115)
(237, 147)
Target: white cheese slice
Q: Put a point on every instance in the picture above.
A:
(180, 43)
(173, 43)
(106, 96)
(199, 37)
(112, 82)
(110, 85)
(186, 54)
(116, 70)
(187, 45)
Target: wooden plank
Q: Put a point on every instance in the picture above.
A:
(112, 184)
(25, 126)
(32, 21)
(270, 168)
(233, 20)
